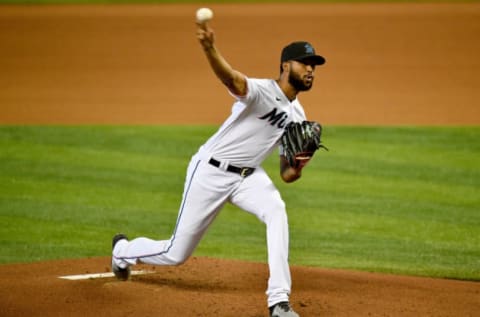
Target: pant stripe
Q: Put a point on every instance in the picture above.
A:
(176, 225)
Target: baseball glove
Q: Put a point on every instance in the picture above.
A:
(300, 141)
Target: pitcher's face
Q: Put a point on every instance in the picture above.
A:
(301, 75)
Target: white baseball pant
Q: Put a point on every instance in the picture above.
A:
(207, 189)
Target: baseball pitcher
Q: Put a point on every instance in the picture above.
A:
(266, 115)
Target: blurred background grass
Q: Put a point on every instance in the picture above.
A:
(391, 199)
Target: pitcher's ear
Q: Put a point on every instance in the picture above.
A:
(284, 67)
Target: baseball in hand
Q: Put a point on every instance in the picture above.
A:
(204, 15)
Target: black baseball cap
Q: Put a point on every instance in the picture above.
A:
(299, 51)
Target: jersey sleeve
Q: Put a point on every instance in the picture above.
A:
(252, 92)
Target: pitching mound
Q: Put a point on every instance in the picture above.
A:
(212, 287)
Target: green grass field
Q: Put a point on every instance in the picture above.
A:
(403, 200)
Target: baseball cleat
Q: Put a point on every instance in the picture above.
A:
(282, 309)
(121, 273)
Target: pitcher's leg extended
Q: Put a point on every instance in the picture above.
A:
(199, 207)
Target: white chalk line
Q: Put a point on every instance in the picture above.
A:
(99, 275)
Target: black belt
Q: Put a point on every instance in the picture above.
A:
(242, 171)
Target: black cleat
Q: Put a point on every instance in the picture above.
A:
(121, 274)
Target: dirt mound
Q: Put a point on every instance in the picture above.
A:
(213, 287)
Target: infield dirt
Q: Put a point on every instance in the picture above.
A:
(386, 64)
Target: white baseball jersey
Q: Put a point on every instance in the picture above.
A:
(256, 124)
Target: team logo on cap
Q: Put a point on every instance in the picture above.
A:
(309, 49)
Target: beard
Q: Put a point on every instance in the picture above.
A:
(298, 83)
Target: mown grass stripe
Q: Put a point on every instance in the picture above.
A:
(391, 199)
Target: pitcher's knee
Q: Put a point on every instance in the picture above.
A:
(177, 259)
(276, 213)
